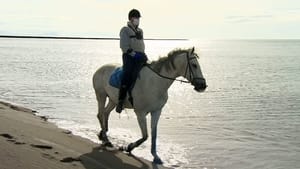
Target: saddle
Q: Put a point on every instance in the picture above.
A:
(116, 78)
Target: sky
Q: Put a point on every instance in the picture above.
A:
(192, 19)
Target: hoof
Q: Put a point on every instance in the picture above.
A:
(100, 136)
(122, 148)
(108, 144)
(129, 148)
(157, 161)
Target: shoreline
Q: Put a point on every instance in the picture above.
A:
(30, 141)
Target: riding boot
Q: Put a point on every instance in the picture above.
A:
(119, 107)
(122, 95)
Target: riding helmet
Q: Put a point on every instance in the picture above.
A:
(134, 13)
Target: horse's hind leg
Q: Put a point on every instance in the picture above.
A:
(101, 98)
(109, 107)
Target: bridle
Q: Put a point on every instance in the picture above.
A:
(188, 66)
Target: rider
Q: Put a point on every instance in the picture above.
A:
(133, 48)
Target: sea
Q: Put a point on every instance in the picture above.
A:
(248, 117)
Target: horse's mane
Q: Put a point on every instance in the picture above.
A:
(168, 60)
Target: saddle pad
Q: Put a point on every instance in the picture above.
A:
(115, 78)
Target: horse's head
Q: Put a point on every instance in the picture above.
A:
(193, 71)
(184, 63)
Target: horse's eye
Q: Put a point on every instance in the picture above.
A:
(195, 66)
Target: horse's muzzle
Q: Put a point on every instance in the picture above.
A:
(199, 84)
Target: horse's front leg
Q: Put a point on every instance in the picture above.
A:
(143, 126)
(154, 121)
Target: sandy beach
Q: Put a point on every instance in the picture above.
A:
(28, 141)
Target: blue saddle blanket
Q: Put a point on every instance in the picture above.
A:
(115, 78)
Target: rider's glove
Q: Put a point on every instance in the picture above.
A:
(135, 55)
(138, 55)
(130, 52)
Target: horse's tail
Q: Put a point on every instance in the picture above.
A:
(97, 79)
(98, 84)
(101, 76)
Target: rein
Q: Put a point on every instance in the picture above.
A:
(188, 66)
(165, 77)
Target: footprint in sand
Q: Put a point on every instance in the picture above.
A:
(10, 138)
(48, 156)
(19, 143)
(41, 146)
(69, 159)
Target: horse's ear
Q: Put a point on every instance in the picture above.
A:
(193, 49)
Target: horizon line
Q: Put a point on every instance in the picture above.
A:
(76, 37)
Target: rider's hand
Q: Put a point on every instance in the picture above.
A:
(131, 53)
(138, 55)
(135, 55)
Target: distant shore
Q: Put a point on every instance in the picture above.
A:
(87, 38)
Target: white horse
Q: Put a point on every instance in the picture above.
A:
(150, 92)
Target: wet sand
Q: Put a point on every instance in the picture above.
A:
(28, 141)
